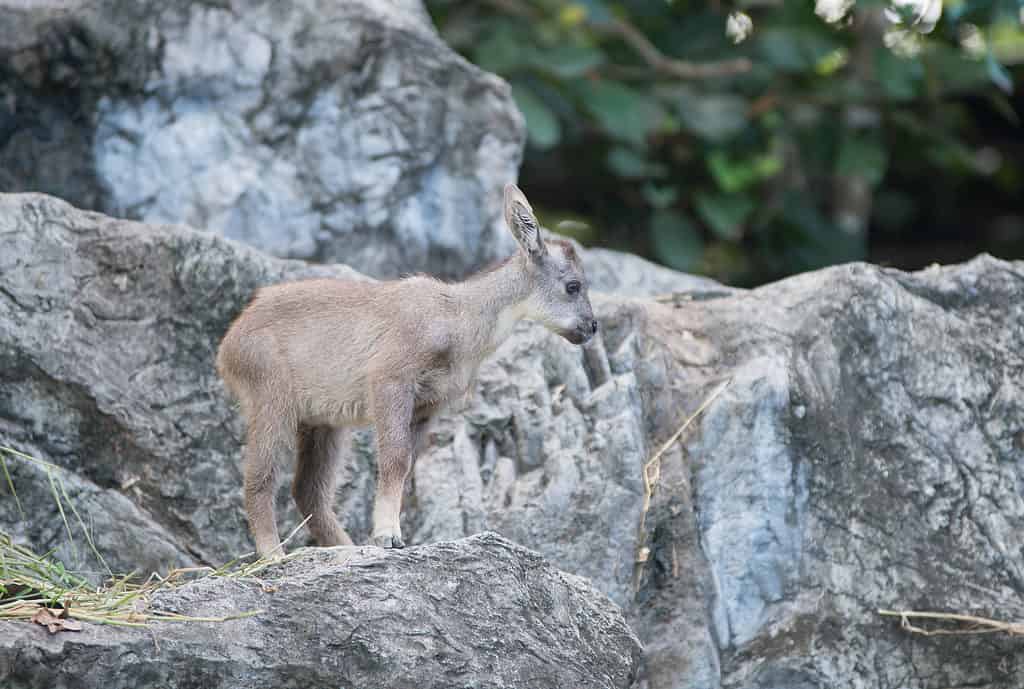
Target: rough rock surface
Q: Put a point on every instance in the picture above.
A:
(333, 131)
(479, 612)
(867, 453)
(342, 131)
(140, 421)
(626, 275)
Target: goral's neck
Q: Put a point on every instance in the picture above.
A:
(490, 304)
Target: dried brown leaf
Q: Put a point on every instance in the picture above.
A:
(54, 622)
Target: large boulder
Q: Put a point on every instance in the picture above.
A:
(479, 612)
(331, 131)
(626, 275)
(866, 453)
(342, 131)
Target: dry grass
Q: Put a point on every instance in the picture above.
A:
(39, 588)
(31, 584)
(952, 624)
(652, 475)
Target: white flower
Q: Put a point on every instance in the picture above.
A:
(903, 42)
(924, 14)
(832, 10)
(738, 26)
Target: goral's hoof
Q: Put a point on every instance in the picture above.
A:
(388, 541)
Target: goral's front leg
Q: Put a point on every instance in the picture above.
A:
(393, 413)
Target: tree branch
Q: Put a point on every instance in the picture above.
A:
(516, 8)
(633, 37)
(665, 65)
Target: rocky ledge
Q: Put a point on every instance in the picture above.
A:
(477, 612)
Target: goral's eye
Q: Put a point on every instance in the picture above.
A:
(572, 287)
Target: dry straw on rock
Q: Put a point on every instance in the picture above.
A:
(952, 624)
(40, 589)
(652, 474)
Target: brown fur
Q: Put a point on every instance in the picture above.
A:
(308, 359)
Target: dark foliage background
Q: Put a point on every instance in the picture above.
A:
(833, 131)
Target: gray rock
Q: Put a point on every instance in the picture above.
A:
(92, 529)
(142, 418)
(333, 131)
(866, 454)
(627, 275)
(338, 131)
(480, 612)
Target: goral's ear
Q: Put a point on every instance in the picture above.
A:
(522, 222)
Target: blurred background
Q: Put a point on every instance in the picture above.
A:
(752, 140)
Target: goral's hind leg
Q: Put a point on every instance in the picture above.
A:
(315, 481)
(270, 441)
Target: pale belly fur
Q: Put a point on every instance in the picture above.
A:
(432, 388)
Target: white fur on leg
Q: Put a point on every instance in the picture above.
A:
(387, 529)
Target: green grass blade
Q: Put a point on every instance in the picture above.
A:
(10, 486)
(60, 505)
(85, 530)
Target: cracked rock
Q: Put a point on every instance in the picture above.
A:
(333, 131)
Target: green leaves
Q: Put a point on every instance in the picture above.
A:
(629, 164)
(736, 174)
(623, 112)
(542, 125)
(862, 156)
(675, 240)
(595, 10)
(900, 78)
(811, 240)
(709, 168)
(502, 51)
(715, 117)
(725, 214)
(568, 61)
(794, 49)
(659, 197)
(953, 69)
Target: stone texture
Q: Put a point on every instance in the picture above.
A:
(627, 275)
(341, 131)
(479, 612)
(866, 454)
(141, 419)
(325, 130)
